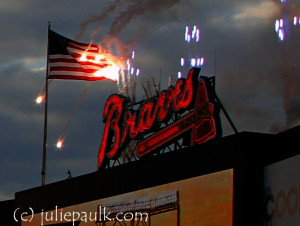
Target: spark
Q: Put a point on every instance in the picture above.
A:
(296, 20)
(276, 25)
(194, 32)
(59, 143)
(200, 61)
(186, 33)
(192, 37)
(279, 24)
(193, 62)
(133, 55)
(182, 61)
(128, 65)
(137, 72)
(282, 27)
(281, 34)
(39, 99)
(198, 35)
(179, 74)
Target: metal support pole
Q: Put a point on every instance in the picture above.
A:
(43, 173)
(226, 114)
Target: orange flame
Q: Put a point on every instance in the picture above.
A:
(39, 99)
(59, 143)
(111, 71)
(83, 57)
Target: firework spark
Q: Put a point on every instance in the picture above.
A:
(59, 143)
(191, 37)
(40, 99)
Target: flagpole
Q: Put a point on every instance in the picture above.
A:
(43, 173)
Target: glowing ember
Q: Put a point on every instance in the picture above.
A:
(39, 99)
(59, 143)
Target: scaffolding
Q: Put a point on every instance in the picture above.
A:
(140, 210)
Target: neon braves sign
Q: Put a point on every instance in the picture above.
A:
(123, 124)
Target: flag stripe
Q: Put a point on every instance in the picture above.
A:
(64, 68)
(76, 77)
(84, 46)
(73, 63)
(73, 73)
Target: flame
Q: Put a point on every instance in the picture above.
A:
(59, 143)
(114, 64)
(110, 72)
(39, 99)
(83, 57)
(99, 57)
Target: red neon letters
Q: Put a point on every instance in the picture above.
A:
(122, 124)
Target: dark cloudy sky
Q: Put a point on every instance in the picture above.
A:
(257, 76)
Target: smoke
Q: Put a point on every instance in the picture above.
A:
(135, 9)
(125, 12)
(98, 18)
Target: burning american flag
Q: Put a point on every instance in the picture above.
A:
(70, 59)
